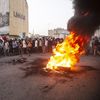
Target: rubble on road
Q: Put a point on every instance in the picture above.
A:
(19, 60)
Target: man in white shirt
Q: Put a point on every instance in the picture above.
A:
(36, 45)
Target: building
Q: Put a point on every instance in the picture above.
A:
(14, 17)
(58, 33)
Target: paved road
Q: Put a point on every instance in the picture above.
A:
(81, 85)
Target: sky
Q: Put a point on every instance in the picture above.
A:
(48, 14)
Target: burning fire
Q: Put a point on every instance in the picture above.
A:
(67, 54)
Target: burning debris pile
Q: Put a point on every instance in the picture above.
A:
(68, 53)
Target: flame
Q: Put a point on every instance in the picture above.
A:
(67, 54)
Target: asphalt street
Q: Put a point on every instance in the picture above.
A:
(83, 84)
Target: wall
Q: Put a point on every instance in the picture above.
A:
(18, 17)
(4, 16)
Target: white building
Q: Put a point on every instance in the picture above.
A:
(58, 33)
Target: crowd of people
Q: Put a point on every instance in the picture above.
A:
(94, 47)
(28, 46)
(9, 47)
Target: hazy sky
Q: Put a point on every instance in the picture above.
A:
(48, 14)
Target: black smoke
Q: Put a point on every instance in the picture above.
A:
(86, 17)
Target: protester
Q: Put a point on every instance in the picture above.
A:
(24, 46)
(6, 48)
(95, 46)
(40, 45)
(15, 47)
(20, 45)
(36, 46)
(1, 47)
(46, 45)
(43, 44)
(29, 46)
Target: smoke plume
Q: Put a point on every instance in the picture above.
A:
(86, 17)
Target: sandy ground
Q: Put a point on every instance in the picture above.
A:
(84, 85)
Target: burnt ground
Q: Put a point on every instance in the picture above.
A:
(22, 79)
